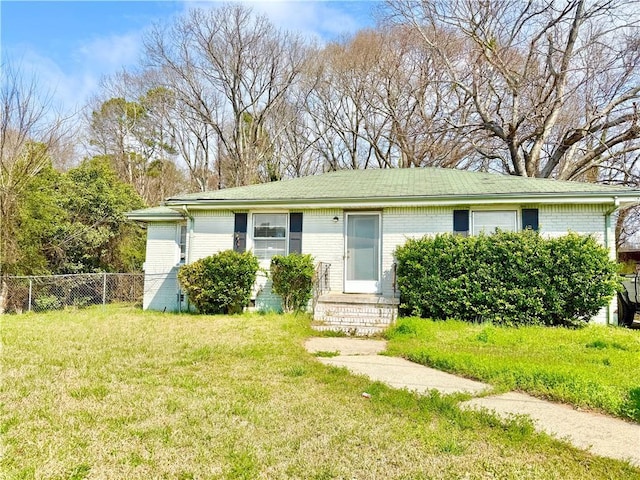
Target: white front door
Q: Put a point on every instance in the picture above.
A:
(362, 253)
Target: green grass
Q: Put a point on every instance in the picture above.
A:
(117, 393)
(596, 367)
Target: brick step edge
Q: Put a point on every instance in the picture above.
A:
(357, 321)
(351, 330)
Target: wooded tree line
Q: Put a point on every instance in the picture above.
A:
(221, 97)
(54, 221)
(538, 88)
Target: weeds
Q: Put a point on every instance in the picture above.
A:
(595, 367)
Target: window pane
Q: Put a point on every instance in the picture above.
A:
(183, 243)
(487, 222)
(265, 249)
(269, 235)
(270, 225)
(362, 247)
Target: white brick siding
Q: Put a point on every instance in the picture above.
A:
(210, 233)
(162, 257)
(556, 220)
(400, 224)
(323, 238)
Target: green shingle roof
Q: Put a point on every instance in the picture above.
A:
(424, 183)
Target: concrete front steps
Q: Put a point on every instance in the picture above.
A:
(354, 314)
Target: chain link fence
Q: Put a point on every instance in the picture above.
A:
(54, 292)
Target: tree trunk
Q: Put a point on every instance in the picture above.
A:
(4, 294)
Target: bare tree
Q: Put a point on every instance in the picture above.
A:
(380, 101)
(293, 141)
(338, 108)
(552, 85)
(229, 70)
(410, 93)
(623, 170)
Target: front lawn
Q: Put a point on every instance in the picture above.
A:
(596, 367)
(116, 393)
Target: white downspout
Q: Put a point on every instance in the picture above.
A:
(187, 214)
(187, 259)
(610, 245)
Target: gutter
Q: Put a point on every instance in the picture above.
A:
(186, 214)
(155, 218)
(616, 205)
(380, 202)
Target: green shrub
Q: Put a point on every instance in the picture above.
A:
(507, 278)
(292, 277)
(47, 302)
(81, 302)
(220, 283)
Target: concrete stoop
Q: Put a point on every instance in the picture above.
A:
(354, 314)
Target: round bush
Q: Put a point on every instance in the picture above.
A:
(220, 283)
(292, 277)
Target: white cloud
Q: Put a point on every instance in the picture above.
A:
(62, 91)
(72, 81)
(71, 86)
(317, 19)
(320, 20)
(110, 53)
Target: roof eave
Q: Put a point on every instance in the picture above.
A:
(154, 218)
(616, 198)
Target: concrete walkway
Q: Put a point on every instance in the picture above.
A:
(599, 434)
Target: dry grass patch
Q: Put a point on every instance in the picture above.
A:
(117, 393)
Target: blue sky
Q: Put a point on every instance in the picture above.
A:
(70, 45)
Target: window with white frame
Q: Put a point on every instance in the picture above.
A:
(181, 240)
(488, 221)
(269, 234)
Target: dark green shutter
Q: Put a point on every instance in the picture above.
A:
(461, 222)
(295, 233)
(240, 232)
(530, 219)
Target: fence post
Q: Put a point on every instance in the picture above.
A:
(104, 289)
(30, 292)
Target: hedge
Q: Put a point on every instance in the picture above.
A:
(512, 278)
(220, 283)
(292, 277)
